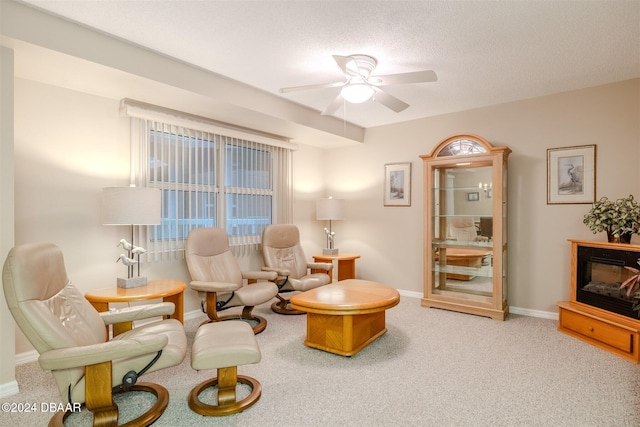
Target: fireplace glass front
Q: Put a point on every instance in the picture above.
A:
(601, 271)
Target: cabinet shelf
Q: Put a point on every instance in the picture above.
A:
(469, 188)
(469, 215)
(486, 271)
(460, 244)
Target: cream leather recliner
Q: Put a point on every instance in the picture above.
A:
(72, 340)
(283, 253)
(217, 277)
(464, 229)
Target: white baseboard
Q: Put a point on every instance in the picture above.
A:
(9, 389)
(26, 357)
(192, 314)
(410, 294)
(514, 310)
(534, 313)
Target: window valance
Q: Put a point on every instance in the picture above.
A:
(143, 110)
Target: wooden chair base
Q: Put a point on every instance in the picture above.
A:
(109, 416)
(227, 404)
(258, 323)
(282, 307)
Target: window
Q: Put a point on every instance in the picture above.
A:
(248, 189)
(209, 179)
(183, 166)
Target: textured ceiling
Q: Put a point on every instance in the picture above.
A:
(484, 52)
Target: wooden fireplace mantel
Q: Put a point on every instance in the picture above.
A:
(610, 331)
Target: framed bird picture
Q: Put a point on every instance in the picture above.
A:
(571, 175)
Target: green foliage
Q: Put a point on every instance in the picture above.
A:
(619, 217)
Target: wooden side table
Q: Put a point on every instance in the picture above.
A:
(346, 265)
(169, 290)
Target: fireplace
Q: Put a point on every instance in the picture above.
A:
(600, 272)
(598, 312)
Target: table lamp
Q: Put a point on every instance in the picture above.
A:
(131, 206)
(329, 209)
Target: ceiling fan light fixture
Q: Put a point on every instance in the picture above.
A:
(360, 85)
(357, 93)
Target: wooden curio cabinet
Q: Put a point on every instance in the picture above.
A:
(465, 224)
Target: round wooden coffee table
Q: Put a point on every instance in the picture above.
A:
(345, 317)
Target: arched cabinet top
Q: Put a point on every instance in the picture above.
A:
(464, 145)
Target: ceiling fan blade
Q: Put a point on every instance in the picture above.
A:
(308, 87)
(404, 78)
(342, 62)
(389, 101)
(333, 107)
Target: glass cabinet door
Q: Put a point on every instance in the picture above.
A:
(462, 229)
(465, 227)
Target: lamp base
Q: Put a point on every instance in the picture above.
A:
(132, 282)
(332, 251)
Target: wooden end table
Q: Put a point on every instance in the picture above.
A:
(169, 290)
(346, 265)
(345, 317)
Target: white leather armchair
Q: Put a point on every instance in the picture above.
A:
(71, 337)
(464, 229)
(217, 277)
(283, 253)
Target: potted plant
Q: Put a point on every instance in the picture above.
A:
(620, 219)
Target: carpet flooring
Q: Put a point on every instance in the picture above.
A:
(432, 368)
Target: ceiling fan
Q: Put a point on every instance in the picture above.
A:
(360, 85)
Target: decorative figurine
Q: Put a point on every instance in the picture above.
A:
(130, 261)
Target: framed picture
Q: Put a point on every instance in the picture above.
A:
(473, 197)
(571, 175)
(397, 184)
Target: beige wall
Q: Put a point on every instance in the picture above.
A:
(390, 238)
(69, 145)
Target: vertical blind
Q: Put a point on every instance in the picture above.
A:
(209, 179)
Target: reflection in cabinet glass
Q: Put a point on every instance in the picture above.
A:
(465, 215)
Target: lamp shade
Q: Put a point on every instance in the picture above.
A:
(329, 209)
(131, 206)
